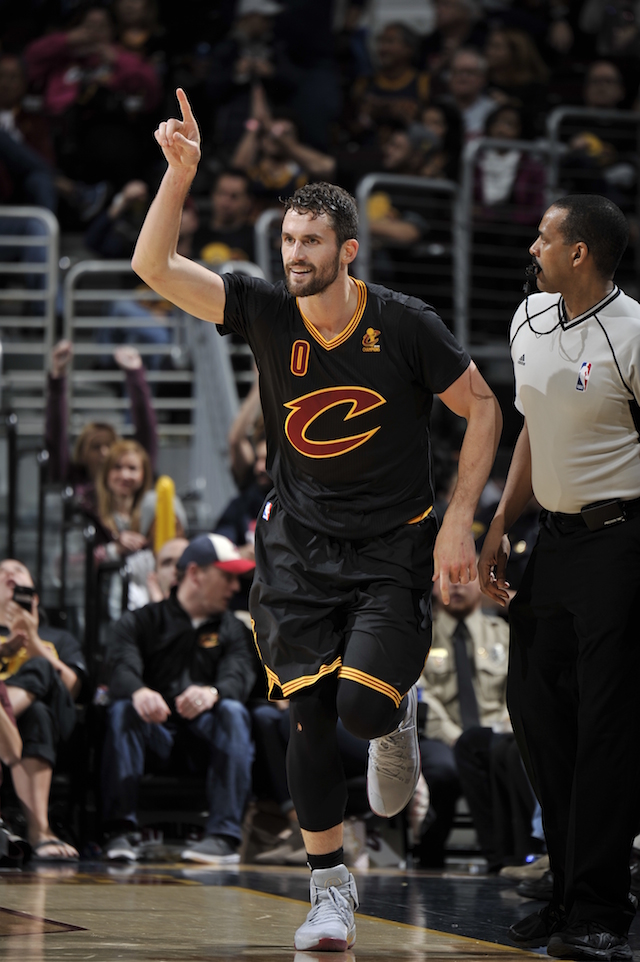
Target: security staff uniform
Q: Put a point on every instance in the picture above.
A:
(575, 651)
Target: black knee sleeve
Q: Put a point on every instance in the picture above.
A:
(314, 768)
(367, 713)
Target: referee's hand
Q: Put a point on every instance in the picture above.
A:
(492, 566)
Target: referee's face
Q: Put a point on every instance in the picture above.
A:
(552, 253)
(310, 253)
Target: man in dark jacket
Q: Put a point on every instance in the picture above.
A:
(181, 670)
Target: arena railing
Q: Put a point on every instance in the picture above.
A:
(267, 231)
(29, 246)
(425, 267)
(106, 305)
(493, 243)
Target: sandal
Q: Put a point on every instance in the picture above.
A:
(68, 853)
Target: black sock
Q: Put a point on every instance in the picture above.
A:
(326, 861)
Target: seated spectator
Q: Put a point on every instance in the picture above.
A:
(444, 121)
(11, 852)
(238, 520)
(459, 24)
(251, 55)
(100, 96)
(274, 159)
(516, 73)
(28, 172)
(121, 484)
(468, 90)
(93, 444)
(44, 671)
(228, 234)
(182, 669)
(164, 577)
(138, 30)
(247, 428)
(468, 732)
(510, 183)
(397, 88)
(114, 232)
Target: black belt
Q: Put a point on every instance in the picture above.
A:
(597, 513)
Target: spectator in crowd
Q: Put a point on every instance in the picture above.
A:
(114, 232)
(604, 87)
(11, 851)
(274, 159)
(95, 440)
(121, 484)
(28, 171)
(228, 233)
(247, 428)
(238, 520)
(44, 671)
(467, 88)
(251, 56)
(139, 31)
(510, 183)
(182, 669)
(458, 24)
(164, 577)
(517, 73)
(444, 121)
(100, 96)
(467, 731)
(397, 88)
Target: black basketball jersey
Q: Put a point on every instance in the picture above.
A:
(347, 419)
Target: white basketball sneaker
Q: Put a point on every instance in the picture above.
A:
(330, 925)
(394, 763)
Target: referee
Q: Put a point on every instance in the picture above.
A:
(575, 643)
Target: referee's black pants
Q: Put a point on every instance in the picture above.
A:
(574, 699)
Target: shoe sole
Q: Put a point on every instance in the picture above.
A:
(418, 768)
(211, 859)
(329, 945)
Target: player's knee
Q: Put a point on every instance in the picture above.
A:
(365, 713)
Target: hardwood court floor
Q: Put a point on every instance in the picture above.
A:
(175, 913)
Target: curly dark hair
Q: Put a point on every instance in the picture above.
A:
(337, 203)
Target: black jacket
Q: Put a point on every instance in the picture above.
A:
(157, 647)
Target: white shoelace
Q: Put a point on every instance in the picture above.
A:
(338, 903)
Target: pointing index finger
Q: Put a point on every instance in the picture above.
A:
(185, 106)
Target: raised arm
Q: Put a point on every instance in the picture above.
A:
(517, 493)
(454, 553)
(190, 286)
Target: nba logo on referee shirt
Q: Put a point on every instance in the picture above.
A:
(583, 376)
(266, 514)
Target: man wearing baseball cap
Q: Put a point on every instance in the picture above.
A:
(181, 670)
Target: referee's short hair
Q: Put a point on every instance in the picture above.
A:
(337, 203)
(600, 224)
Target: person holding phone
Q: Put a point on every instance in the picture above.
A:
(574, 654)
(43, 669)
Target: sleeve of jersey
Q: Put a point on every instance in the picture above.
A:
(516, 325)
(249, 300)
(437, 358)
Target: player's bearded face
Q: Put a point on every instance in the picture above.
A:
(304, 279)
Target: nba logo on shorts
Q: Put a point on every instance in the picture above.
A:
(266, 514)
(583, 376)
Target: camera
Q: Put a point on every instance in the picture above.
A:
(23, 596)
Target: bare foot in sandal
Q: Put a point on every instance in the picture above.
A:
(53, 849)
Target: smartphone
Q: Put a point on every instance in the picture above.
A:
(23, 596)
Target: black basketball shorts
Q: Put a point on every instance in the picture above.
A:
(321, 605)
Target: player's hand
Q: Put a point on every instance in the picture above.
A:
(454, 556)
(492, 565)
(180, 139)
(150, 705)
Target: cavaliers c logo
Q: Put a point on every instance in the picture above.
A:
(306, 409)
